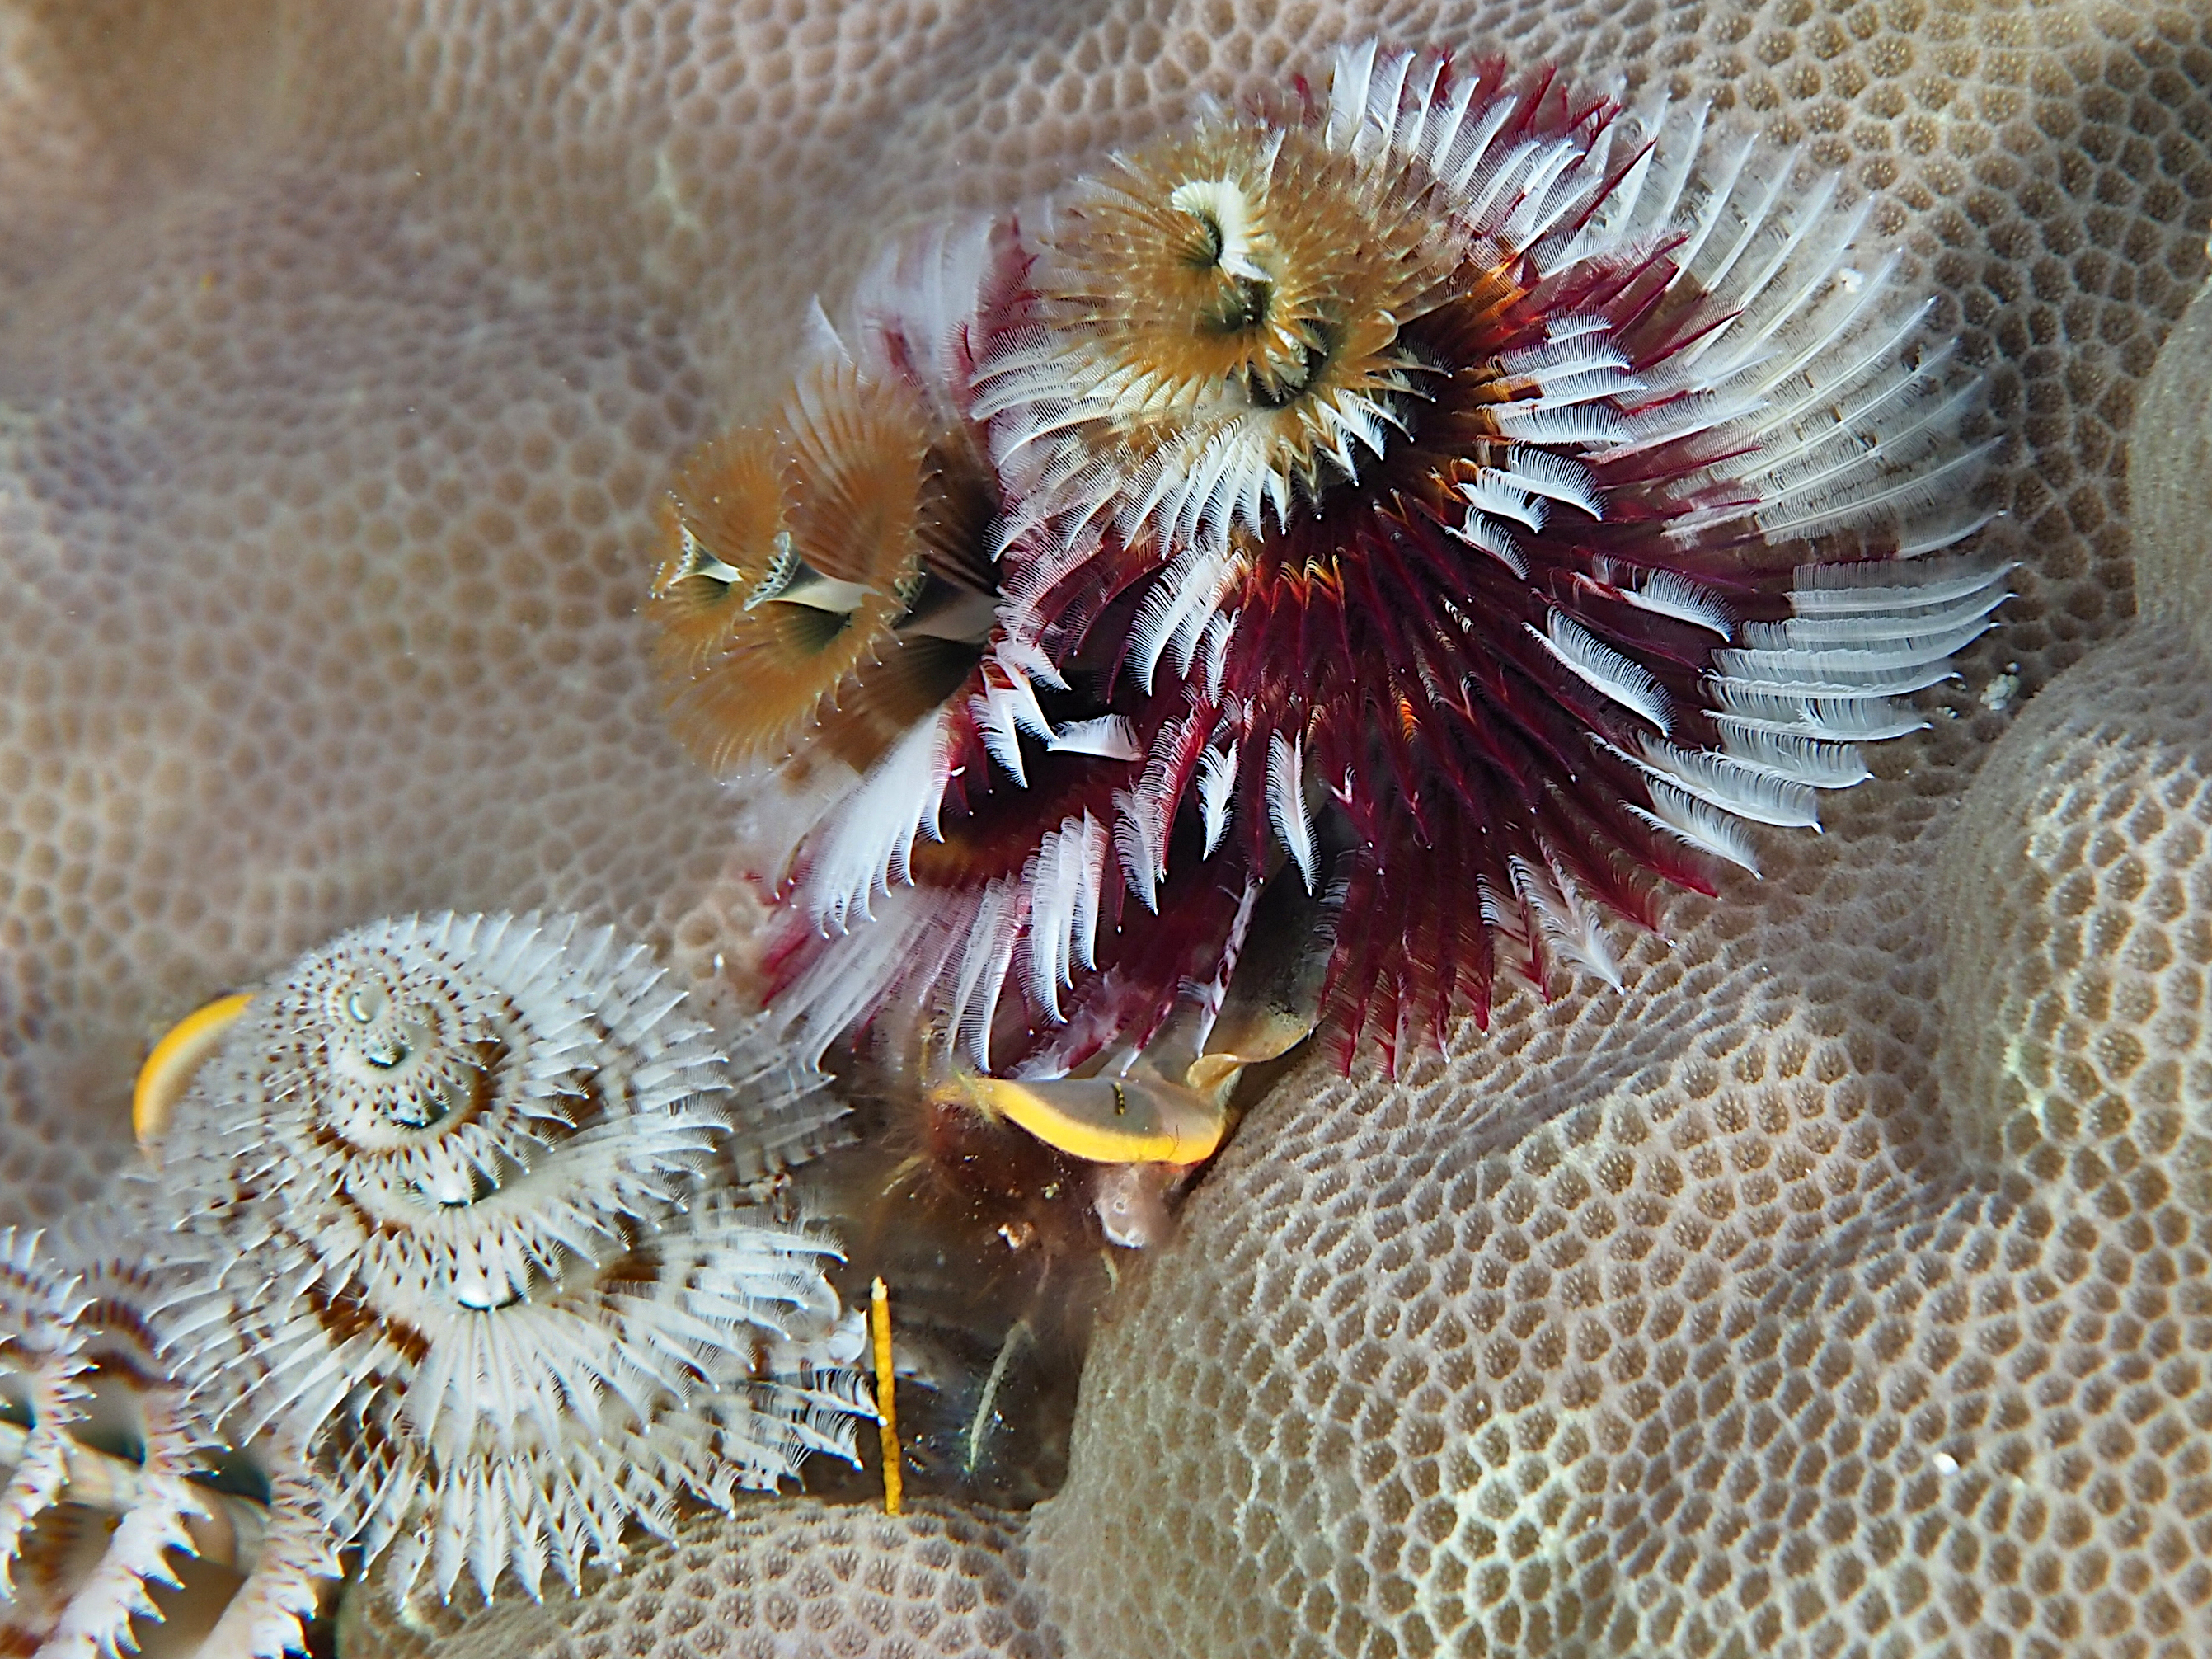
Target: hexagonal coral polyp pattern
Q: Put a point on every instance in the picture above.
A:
(802, 1578)
(2082, 1030)
(1666, 1376)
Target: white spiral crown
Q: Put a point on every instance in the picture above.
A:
(458, 1218)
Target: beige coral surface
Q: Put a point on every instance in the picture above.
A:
(797, 1581)
(1837, 1287)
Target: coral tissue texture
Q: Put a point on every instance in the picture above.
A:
(1826, 1291)
(801, 1580)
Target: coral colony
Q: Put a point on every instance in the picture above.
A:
(1453, 503)
(468, 1246)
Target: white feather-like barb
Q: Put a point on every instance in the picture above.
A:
(1109, 737)
(1668, 594)
(1748, 792)
(1569, 922)
(980, 976)
(1063, 878)
(1217, 788)
(866, 841)
(1288, 812)
(1696, 822)
(858, 971)
(918, 302)
(1876, 588)
(1609, 672)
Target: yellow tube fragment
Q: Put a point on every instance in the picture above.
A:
(1136, 1119)
(168, 1071)
(880, 1329)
